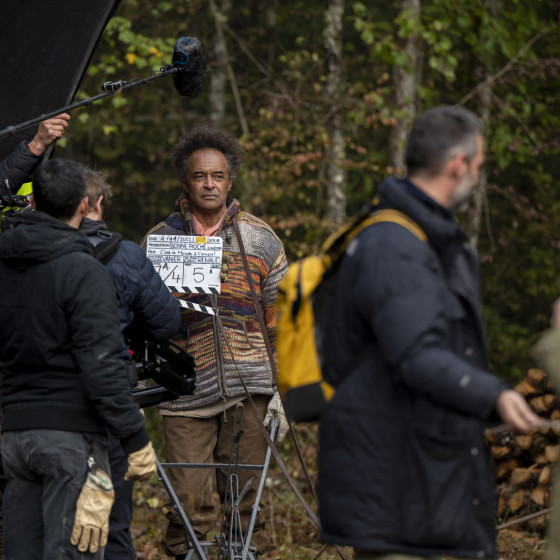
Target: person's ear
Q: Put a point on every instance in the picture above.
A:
(84, 207)
(459, 165)
(97, 206)
(32, 202)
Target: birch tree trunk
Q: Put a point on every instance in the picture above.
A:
(405, 81)
(336, 151)
(476, 205)
(218, 21)
(218, 78)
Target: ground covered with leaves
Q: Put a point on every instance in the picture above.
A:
(293, 534)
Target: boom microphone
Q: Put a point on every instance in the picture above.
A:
(189, 74)
(188, 57)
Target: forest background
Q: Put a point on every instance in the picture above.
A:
(321, 95)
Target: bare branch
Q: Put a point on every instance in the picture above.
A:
(268, 73)
(509, 65)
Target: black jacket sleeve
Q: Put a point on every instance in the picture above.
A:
(412, 312)
(96, 337)
(17, 168)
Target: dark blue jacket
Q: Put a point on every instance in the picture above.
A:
(144, 300)
(403, 466)
(60, 337)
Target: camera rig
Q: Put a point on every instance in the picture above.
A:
(166, 363)
(13, 201)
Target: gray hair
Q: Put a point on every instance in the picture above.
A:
(437, 135)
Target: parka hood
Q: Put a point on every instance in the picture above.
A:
(437, 222)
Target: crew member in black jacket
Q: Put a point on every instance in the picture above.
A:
(144, 302)
(404, 471)
(64, 387)
(17, 168)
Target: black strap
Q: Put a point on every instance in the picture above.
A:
(270, 354)
(274, 449)
(252, 405)
(265, 433)
(105, 245)
(256, 301)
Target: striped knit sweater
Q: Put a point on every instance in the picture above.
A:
(217, 370)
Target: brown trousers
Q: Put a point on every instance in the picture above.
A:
(202, 490)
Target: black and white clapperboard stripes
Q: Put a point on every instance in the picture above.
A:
(188, 264)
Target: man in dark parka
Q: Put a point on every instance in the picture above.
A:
(403, 468)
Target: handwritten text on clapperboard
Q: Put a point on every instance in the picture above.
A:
(190, 262)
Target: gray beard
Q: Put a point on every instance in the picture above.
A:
(462, 205)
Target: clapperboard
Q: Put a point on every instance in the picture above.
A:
(188, 264)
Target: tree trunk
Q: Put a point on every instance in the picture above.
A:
(336, 151)
(404, 88)
(218, 78)
(271, 17)
(476, 205)
(218, 21)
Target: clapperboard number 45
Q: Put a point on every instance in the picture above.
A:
(188, 265)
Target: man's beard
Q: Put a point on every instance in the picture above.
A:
(462, 194)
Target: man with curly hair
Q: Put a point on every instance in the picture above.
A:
(231, 358)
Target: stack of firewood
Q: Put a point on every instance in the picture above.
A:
(524, 463)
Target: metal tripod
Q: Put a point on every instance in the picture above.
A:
(232, 542)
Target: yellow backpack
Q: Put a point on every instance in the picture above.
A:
(304, 300)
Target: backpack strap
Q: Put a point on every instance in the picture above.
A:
(335, 245)
(105, 245)
(393, 216)
(270, 443)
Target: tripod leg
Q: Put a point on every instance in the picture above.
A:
(231, 522)
(179, 508)
(249, 534)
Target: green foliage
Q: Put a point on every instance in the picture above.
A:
(277, 55)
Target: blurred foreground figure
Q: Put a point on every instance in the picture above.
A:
(404, 471)
(547, 353)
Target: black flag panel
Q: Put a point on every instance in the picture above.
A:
(45, 48)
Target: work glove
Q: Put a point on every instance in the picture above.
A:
(276, 410)
(141, 463)
(226, 261)
(91, 524)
